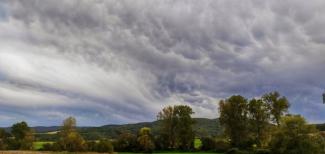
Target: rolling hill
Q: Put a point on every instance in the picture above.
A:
(202, 127)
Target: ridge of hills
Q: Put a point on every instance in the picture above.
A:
(202, 127)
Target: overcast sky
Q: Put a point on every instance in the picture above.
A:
(119, 61)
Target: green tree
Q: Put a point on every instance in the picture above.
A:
(295, 136)
(125, 142)
(176, 130)
(234, 118)
(168, 123)
(145, 140)
(104, 145)
(70, 139)
(184, 130)
(23, 136)
(259, 117)
(3, 139)
(278, 105)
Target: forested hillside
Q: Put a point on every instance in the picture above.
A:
(202, 127)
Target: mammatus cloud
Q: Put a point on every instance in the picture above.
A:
(120, 61)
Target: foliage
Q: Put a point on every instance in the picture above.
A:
(184, 130)
(3, 139)
(70, 139)
(126, 142)
(259, 117)
(103, 145)
(176, 127)
(145, 140)
(233, 116)
(278, 105)
(295, 136)
(23, 137)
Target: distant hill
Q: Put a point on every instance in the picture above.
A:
(320, 127)
(202, 127)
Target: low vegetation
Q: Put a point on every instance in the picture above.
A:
(257, 126)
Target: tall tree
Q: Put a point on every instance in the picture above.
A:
(259, 117)
(278, 105)
(168, 124)
(126, 142)
(145, 140)
(234, 118)
(70, 139)
(3, 139)
(184, 130)
(176, 127)
(23, 136)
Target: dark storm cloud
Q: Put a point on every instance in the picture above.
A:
(117, 59)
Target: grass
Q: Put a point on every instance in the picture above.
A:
(39, 145)
(197, 143)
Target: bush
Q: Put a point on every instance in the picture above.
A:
(104, 146)
(295, 136)
(91, 145)
(126, 142)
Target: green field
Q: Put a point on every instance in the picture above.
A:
(197, 143)
(39, 145)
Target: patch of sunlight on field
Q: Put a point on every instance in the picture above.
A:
(39, 145)
(197, 143)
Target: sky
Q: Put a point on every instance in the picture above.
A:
(121, 61)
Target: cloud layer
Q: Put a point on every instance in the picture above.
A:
(121, 61)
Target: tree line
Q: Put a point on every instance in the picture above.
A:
(261, 125)
(264, 125)
(176, 133)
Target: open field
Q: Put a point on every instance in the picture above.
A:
(39, 145)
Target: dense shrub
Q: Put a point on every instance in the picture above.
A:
(104, 145)
(91, 145)
(145, 140)
(295, 136)
(126, 142)
(3, 139)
